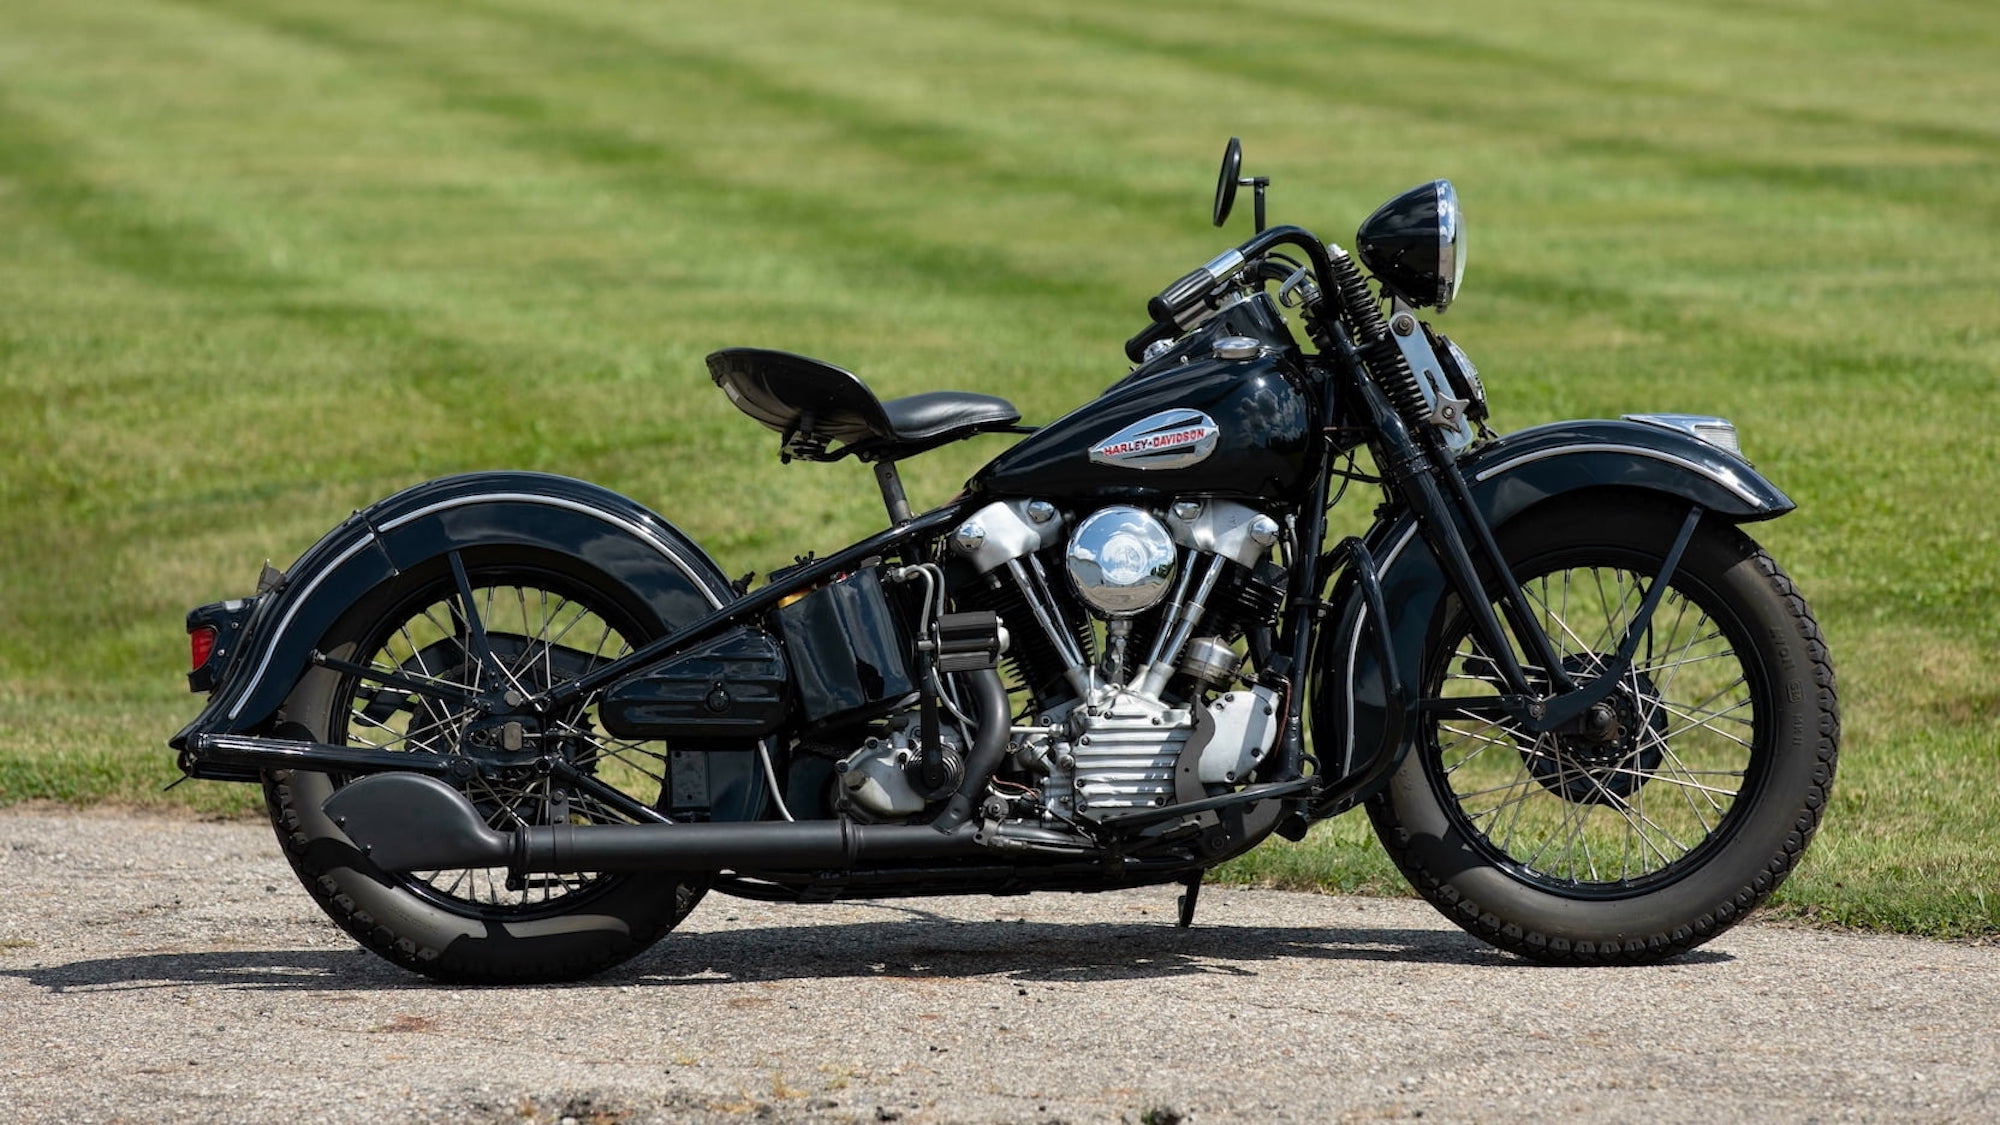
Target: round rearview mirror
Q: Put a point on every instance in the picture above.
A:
(1225, 184)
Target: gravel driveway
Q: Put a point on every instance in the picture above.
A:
(167, 970)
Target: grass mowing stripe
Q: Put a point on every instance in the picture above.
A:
(136, 237)
(918, 141)
(880, 249)
(1693, 157)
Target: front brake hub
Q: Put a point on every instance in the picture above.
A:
(1620, 743)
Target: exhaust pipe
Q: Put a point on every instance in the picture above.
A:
(244, 757)
(418, 822)
(412, 822)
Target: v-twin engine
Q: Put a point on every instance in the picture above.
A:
(1132, 656)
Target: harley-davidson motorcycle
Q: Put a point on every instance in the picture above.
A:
(512, 726)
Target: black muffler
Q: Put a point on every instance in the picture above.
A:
(245, 757)
(411, 822)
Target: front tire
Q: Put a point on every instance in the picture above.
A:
(537, 618)
(1697, 789)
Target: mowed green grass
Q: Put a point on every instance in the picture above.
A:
(261, 263)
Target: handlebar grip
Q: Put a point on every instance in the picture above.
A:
(1175, 298)
(1135, 348)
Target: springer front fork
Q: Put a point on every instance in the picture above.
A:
(1548, 699)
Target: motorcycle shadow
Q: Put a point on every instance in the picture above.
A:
(916, 944)
(923, 945)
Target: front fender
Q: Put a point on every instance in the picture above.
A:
(1529, 466)
(627, 542)
(1349, 692)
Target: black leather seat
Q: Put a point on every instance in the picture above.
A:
(815, 405)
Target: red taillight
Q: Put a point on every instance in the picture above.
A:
(201, 645)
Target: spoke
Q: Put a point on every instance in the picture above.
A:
(1689, 791)
(1707, 701)
(1574, 813)
(1708, 724)
(1681, 659)
(549, 617)
(1671, 629)
(465, 611)
(1655, 777)
(1521, 779)
(1614, 612)
(379, 725)
(1640, 823)
(617, 750)
(1536, 800)
(1524, 782)
(659, 778)
(1484, 742)
(417, 655)
(1684, 778)
(447, 629)
(597, 653)
(1669, 667)
(1560, 620)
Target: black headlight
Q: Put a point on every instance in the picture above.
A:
(1415, 244)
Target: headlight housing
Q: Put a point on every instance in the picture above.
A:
(1415, 244)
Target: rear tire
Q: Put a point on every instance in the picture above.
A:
(546, 618)
(1692, 803)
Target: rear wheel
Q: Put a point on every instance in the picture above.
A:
(464, 625)
(1690, 793)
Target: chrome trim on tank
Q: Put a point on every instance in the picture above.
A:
(1171, 439)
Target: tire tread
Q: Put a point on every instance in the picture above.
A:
(1485, 924)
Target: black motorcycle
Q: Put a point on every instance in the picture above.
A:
(512, 727)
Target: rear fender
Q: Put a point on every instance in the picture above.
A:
(633, 546)
(1507, 477)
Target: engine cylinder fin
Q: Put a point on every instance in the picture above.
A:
(1032, 659)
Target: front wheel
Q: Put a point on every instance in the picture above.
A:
(1690, 793)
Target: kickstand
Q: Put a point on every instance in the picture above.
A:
(1188, 897)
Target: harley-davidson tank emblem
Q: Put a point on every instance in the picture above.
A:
(1171, 439)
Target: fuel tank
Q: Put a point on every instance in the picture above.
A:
(1213, 426)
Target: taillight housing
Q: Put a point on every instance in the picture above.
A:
(213, 631)
(201, 645)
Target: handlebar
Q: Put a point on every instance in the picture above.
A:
(1180, 298)
(1173, 310)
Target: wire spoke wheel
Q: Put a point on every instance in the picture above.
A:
(1674, 805)
(450, 650)
(1652, 783)
(522, 634)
